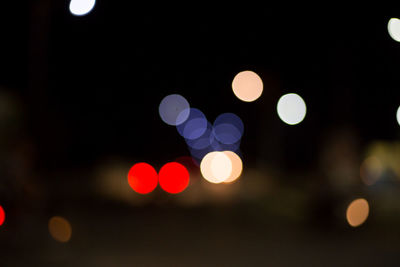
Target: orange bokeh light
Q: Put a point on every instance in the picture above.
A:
(2, 215)
(142, 178)
(174, 177)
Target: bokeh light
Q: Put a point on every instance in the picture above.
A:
(371, 170)
(174, 109)
(173, 177)
(398, 115)
(247, 86)
(202, 141)
(81, 7)
(216, 167)
(228, 128)
(237, 166)
(357, 212)
(60, 229)
(291, 109)
(194, 126)
(142, 178)
(2, 215)
(394, 29)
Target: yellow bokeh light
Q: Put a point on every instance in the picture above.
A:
(371, 169)
(60, 229)
(216, 167)
(357, 212)
(237, 166)
(247, 86)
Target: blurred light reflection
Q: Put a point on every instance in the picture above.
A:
(174, 109)
(394, 29)
(60, 229)
(2, 215)
(247, 86)
(81, 7)
(357, 212)
(291, 109)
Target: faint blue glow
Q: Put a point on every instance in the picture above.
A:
(228, 128)
(81, 7)
(394, 29)
(174, 109)
(202, 141)
(291, 109)
(195, 125)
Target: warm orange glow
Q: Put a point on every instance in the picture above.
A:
(247, 86)
(142, 178)
(237, 166)
(357, 212)
(174, 177)
(2, 215)
(60, 229)
(371, 170)
(216, 167)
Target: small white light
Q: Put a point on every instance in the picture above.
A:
(291, 109)
(394, 29)
(81, 7)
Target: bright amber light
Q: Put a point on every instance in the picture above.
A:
(371, 169)
(247, 86)
(237, 166)
(291, 109)
(2, 215)
(60, 229)
(81, 7)
(173, 177)
(216, 167)
(394, 29)
(142, 178)
(357, 212)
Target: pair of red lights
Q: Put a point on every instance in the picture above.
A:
(173, 178)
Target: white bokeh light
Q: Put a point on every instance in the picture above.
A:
(291, 109)
(81, 7)
(398, 115)
(394, 29)
(216, 167)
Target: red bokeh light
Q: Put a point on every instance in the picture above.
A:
(143, 178)
(174, 177)
(2, 215)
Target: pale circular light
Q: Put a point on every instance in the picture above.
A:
(357, 212)
(394, 29)
(174, 109)
(216, 167)
(60, 229)
(81, 7)
(247, 86)
(398, 115)
(291, 109)
(237, 166)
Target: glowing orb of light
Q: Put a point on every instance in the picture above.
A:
(247, 86)
(291, 109)
(228, 128)
(357, 212)
(60, 229)
(81, 7)
(237, 166)
(174, 109)
(142, 178)
(398, 115)
(195, 125)
(173, 177)
(394, 29)
(2, 215)
(216, 167)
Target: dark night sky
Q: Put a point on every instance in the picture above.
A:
(106, 73)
